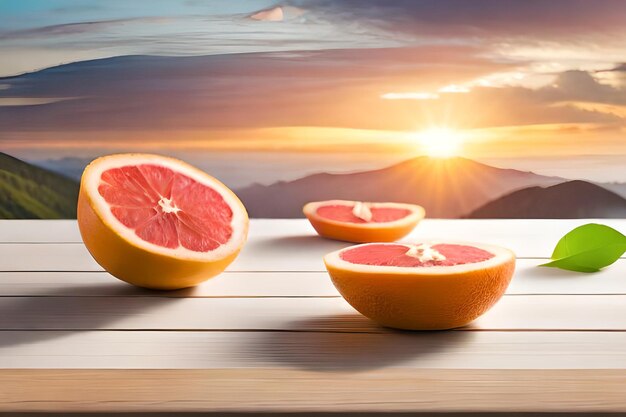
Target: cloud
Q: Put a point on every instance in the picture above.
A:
(569, 34)
(332, 87)
(274, 14)
(615, 76)
(582, 86)
(277, 13)
(539, 19)
(68, 29)
(576, 34)
(619, 68)
(194, 34)
(338, 88)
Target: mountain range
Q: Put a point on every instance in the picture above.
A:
(446, 188)
(30, 192)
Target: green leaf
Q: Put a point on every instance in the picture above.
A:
(588, 248)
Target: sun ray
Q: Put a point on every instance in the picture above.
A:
(439, 142)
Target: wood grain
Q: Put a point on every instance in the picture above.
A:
(229, 284)
(280, 390)
(320, 351)
(528, 238)
(513, 312)
(529, 279)
(267, 257)
(272, 334)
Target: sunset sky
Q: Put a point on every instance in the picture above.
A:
(537, 84)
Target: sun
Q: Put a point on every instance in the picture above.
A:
(439, 142)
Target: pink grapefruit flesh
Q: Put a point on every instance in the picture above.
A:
(344, 213)
(167, 208)
(396, 255)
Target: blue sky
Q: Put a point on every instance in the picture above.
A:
(25, 14)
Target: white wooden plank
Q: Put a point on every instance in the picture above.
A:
(46, 257)
(315, 351)
(33, 231)
(254, 258)
(513, 312)
(229, 284)
(528, 279)
(527, 237)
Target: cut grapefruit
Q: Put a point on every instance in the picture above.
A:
(355, 221)
(157, 222)
(425, 286)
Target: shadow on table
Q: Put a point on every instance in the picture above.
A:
(312, 244)
(541, 273)
(67, 308)
(361, 346)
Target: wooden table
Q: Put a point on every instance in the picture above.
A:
(271, 334)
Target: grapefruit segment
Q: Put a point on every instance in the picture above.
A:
(423, 286)
(158, 222)
(356, 221)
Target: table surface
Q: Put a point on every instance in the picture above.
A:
(272, 334)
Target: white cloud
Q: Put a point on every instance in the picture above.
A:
(453, 88)
(275, 14)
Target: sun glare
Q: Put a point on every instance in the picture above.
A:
(440, 142)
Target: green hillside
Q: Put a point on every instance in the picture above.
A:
(30, 192)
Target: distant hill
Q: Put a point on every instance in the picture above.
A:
(30, 192)
(616, 187)
(569, 200)
(447, 188)
(70, 167)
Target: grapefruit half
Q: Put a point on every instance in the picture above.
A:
(424, 286)
(356, 221)
(157, 222)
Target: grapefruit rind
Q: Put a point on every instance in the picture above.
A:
(130, 258)
(424, 297)
(364, 232)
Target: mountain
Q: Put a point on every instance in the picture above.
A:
(617, 187)
(569, 200)
(447, 188)
(70, 167)
(30, 192)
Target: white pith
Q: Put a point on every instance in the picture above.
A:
(424, 252)
(501, 255)
(168, 206)
(92, 179)
(416, 213)
(362, 211)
